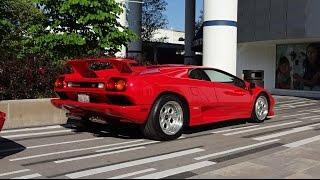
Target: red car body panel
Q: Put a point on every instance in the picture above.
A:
(208, 102)
(2, 119)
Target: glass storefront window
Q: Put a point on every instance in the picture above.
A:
(298, 66)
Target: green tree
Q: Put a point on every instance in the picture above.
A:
(199, 22)
(16, 17)
(153, 17)
(79, 28)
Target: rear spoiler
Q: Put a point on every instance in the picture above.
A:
(81, 66)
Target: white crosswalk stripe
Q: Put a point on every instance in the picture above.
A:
(261, 128)
(30, 129)
(132, 174)
(129, 146)
(98, 155)
(178, 170)
(71, 151)
(31, 176)
(14, 172)
(294, 115)
(276, 135)
(303, 142)
(235, 129)
(235, 150)
(315, 119)
(62, 143)
(296, 103)
(304, 105)
(105, 169)
(37, 134)
(310, 117)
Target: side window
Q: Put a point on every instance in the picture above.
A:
(198, 74)
(216, 76)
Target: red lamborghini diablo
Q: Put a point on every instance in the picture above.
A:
(162, 99)
(2, 119)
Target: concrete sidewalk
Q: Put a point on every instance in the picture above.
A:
(294, 163)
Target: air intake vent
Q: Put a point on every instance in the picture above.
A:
(119, 100)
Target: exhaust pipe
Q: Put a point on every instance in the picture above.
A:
(97, 119)
(72, 116)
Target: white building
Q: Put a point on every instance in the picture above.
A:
(273, 32)
(165, 47)
(170, 36)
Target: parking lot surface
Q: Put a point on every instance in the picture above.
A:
(286, 146)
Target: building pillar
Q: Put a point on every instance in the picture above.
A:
(190, 10)
(220, 34)
(123, 21)
(135, 22)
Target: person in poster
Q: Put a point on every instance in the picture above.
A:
(298, 67)
(311, 77)
(283, 74)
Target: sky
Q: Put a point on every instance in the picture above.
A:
(175, 13)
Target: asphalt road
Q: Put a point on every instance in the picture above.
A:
(72, 151)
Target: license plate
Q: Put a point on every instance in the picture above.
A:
(83, 98)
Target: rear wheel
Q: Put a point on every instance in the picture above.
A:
(167, 119)
(261, 109)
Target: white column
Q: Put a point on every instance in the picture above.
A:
(220, 34)
(123, 21)
(135, 18)
(190, 10)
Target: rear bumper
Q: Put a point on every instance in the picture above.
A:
(133, 114)
(2, 120)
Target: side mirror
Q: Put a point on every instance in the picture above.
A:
(252, 85)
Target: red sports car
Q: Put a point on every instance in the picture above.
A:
(162, 99)
(2, 119)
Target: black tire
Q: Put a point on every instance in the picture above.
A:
(254, 116)
(152, 128)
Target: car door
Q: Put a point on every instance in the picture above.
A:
(204, 96)
(233, 97)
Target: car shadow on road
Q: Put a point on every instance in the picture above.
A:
(131, 131)
(117, 130)
(9, 147)
(213, 126)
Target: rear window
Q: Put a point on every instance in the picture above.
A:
(100, 66)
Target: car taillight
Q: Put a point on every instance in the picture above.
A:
(60, 83)
(116, 85)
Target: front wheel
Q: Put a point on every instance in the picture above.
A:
(261, 109)
(167, 119)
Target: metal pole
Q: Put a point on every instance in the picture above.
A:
(135, 23)
(190, 8)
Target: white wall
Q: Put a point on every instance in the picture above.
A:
(258, 56)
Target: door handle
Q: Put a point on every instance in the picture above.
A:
(239, 92)
(235, 93)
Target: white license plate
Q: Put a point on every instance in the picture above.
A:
(83, 98)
